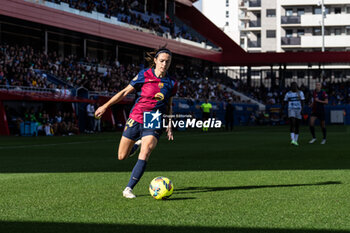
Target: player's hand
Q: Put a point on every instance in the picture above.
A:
(317, 100)
(170, 133)
(99, 112)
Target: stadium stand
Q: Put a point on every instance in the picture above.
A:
(132, 12)
(23, 64)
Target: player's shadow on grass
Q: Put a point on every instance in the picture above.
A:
(172, 198)
(57, 227)
(215, 189)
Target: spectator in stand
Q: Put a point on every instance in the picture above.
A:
(90, 111)
(47, 125)
(72, 126)
(57, 124)
(229, 110)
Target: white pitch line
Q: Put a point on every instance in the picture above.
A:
(52, 144)
(117, 140)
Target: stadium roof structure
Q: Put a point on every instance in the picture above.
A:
(231, 54)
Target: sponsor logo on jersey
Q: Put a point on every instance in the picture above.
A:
(159, 96)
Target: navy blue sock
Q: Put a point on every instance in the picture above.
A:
(324, 133)
(134, 148)
(312, 130)
(137, 173)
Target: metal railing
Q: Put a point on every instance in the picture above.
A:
(291, 41)
(255, 3)
(254, 44)
(255, 24)
(55, 91)
(109, 94)
(290, 19)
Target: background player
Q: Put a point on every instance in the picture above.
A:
(295, 99)
(319, 100)
(206, 109)
(157, 90)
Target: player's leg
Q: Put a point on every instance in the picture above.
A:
(148, 144)
(324, 132)
(227, 123)
(312, 128)
(231, 124)
(205, 117)
(130, 143)
(296, 126)
(125, 147)
(296, 131)
(291, 117)
(292, 129)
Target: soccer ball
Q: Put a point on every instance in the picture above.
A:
(161, 188)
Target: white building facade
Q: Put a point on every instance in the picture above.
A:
(294, 25)
(223, 13)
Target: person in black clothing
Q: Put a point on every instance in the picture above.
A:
(229, 115)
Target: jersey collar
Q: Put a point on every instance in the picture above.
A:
(166, 74)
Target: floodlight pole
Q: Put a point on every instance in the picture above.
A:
(323, 11)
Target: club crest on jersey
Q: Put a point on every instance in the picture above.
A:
(159, 96)
(160, 85)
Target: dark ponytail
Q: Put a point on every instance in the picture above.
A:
(150, 58)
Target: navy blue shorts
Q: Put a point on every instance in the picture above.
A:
(135, 131)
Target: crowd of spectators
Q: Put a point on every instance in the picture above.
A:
(196, 85)
(338, 92)
(16, 67)
(19, 63)
(49, 124)
(131, 11)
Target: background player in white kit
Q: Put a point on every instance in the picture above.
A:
(295, 99)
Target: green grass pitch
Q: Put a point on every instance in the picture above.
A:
(249, 180)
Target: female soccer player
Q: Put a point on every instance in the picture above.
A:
(319, 100)
(157, 90)
(295, 99)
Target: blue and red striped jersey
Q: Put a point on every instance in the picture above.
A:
(155, 93)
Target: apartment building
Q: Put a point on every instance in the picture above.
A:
(294, 25)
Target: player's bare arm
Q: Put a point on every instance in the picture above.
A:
(170, 112)
(115, 99)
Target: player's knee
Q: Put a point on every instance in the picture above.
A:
(122, 156)
(146, 152)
